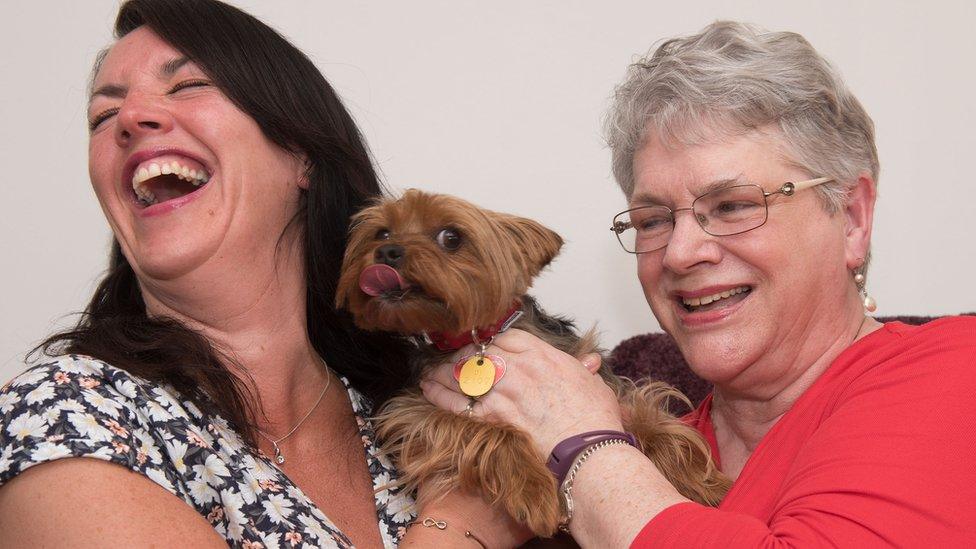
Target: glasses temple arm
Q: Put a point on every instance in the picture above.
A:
(800, 185)
(790, 187)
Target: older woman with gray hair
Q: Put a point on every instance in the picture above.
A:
(751, 175)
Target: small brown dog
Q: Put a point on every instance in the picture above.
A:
(434, 267)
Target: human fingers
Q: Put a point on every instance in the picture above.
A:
(446, 373)
(536, 351)
(446, 398)
(518, 341)
(442, 373)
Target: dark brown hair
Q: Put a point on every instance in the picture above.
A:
(283, 91)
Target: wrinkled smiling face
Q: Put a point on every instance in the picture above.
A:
(185, 178)
(729, 301)
(428, 263)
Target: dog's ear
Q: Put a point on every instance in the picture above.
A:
(537, 244)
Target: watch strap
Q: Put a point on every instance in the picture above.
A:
(562, 456)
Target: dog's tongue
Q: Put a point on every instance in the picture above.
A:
(378, 279)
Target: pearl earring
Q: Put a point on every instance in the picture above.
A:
(860, 280)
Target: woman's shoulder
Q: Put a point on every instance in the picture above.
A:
(73, 370)
(79, 383)
(933, 360)
(961, 329)
(78, 406)
(70, 366)
(57, 388)
(949, 334)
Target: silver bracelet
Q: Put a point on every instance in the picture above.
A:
(566, 490)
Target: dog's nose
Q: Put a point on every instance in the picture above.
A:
(390, 254)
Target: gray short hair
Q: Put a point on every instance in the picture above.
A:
(733, 78)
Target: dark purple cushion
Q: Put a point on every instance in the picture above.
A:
(656, 356)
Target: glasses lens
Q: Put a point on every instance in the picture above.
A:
(644, 229)
(731, 210)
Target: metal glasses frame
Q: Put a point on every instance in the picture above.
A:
(787, 189)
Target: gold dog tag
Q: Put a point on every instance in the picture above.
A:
(476, 376)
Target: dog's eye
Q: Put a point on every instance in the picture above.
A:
(382, 234)
(449, 239)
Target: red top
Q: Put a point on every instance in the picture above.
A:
(876, 453)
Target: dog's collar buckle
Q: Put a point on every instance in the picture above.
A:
(453, 342)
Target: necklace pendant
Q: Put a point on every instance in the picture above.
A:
(279, 457)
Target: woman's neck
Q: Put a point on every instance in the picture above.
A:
(742, 418)
(256, 316)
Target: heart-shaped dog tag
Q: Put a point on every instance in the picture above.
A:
(477, 375)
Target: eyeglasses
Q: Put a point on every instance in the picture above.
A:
(722, 212)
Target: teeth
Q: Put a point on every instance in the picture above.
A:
(705, 300)
(145, 195)
(196, 177)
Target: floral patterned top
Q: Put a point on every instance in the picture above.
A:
(76, 406)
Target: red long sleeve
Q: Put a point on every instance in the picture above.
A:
(876, 453)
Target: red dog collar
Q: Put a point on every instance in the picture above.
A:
(453, 342)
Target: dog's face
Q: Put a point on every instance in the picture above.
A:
(435, 263)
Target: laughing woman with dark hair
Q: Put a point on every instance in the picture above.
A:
(210, 361)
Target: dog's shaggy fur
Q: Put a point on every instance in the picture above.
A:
(471, 283)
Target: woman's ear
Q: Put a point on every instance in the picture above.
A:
(859, 215)
(304, 171)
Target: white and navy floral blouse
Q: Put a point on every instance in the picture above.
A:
(76, 406)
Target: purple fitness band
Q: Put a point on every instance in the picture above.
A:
(562, 456)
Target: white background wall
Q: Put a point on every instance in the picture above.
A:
(500, 102)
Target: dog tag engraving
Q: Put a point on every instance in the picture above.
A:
(476, 375)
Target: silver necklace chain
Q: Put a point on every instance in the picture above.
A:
(279, 457)
(859, 328)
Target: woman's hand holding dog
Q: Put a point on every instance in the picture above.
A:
(545, 392)
(551, 395)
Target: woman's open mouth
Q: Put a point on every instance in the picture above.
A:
(715, 301)
(165, 178)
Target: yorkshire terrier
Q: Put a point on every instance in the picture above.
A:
(436, 268)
